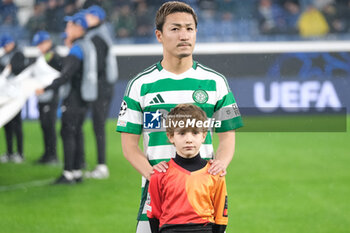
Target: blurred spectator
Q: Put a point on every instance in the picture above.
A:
(144, 20)
(8, 13)
(225, 28)
(320, 4)
(226, 6)
(226, 12)
(344, 5)
(54, 16)
(208, 26)
(292, 14)
(270, 17)
(70, 7)
(312, 23)
(220, 19)
(333, 17)
(37, 21)
(89, 3)
(124, 22)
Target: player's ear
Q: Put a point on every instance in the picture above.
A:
(159, 36)
(170, 138)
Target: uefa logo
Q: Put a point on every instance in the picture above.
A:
(152, 120)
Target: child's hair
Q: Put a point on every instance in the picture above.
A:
(170, 8)
(186, 117)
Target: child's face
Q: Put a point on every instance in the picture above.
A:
(187, 143)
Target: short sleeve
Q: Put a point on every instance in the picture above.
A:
(130, 118)
(226, 109)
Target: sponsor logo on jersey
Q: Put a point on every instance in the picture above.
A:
(157, 99)
(152, 120)
(200, 96)
(122, 123)
(235, 108)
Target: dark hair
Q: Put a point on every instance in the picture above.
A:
(184, 113)
(170, 8)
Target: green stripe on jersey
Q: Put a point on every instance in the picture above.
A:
(226, 100)
(156, 161)
(213, 71)
(132, 104)
(143, 217)
(160, 139)
(169, 84)
(230, 124)
(207, 108)
(130, 128)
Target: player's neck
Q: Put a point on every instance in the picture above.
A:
(177, 65)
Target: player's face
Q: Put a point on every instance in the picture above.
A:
(188, 143)
(179, 35)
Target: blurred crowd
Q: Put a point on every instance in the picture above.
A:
(132, 21)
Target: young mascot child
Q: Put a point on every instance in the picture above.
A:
(186, 197)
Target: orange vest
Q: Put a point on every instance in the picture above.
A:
(182, 197)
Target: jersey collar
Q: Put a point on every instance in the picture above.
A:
(160, 67)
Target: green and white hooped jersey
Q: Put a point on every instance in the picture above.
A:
(156, 89)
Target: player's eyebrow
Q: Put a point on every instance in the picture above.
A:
(179, 25)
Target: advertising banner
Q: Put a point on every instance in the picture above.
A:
(264, 84)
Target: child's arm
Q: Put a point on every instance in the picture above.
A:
(220, 206)
(154, 202)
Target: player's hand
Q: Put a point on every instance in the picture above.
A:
(216, 167)
(39, 91)
(161, 167)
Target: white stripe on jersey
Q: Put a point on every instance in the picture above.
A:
(199, 74)
(133, 116)
(176, 97)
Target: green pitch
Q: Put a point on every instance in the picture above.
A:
(277, 182)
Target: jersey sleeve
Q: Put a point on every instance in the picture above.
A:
(154, 202)
(220, 202)
(130, 119)
(226, 109)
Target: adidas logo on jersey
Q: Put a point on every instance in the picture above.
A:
(156, 100)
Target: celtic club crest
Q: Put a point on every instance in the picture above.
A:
(200, 96)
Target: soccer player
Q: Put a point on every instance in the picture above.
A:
(187, 198)
(14, 60)
(176, 79)
(48, 102)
